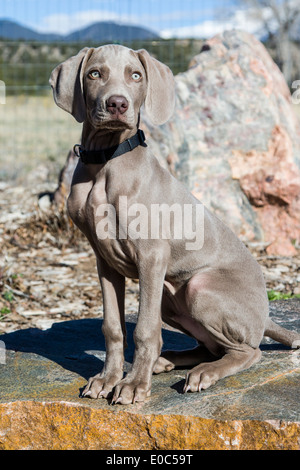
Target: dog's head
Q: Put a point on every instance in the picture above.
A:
(108, 85)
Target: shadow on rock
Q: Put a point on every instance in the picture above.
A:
(79, 345)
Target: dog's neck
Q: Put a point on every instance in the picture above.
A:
(102, 138)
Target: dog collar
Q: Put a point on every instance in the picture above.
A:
(103, 156)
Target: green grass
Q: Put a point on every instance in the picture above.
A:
(275, 295)
(4, 311)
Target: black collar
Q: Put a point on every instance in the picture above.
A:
(103, 156)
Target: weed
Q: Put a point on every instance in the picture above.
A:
(8, 296)
(4, 311)
(275, 295)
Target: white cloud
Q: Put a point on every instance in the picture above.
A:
(245, 19)
(241, 19)
(65, 24)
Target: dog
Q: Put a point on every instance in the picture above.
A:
(211, 289)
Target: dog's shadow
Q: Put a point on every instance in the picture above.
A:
(79, 346)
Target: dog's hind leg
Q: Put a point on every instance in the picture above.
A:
(206, 374)
(287, 337)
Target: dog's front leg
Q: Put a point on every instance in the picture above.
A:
(113, 291)
(136, 386)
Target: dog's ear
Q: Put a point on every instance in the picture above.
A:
(160, 97)
(66, 81)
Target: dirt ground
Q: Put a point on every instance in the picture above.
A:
(48, 270)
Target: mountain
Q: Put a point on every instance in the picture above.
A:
(110, 31)
(98, 32)
(14, 31)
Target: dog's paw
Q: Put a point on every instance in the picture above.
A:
(200, 378)
(163, 365)
(100, 386)
(127, 392)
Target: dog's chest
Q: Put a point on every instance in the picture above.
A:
(84, 202)
(97, 218)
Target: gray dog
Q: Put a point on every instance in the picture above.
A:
(212, 289)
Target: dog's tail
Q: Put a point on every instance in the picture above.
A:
(286, 337)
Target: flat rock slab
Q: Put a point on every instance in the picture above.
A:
(43, 372)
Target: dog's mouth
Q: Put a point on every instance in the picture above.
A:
(111, 123)
(115, 124)
(103, 120)
(117, 118)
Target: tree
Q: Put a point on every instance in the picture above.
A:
(279, 19)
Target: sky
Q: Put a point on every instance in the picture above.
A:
(179, 18)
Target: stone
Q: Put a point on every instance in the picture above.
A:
(234, 141)
(44, 203)
(44, 372)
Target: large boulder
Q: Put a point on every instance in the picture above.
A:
(42, 373)
(234, 140)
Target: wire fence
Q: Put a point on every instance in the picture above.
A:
(32, 128)
(27, 58)
(25, 67)
(33, 131)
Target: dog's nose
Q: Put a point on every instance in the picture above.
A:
(117, 104)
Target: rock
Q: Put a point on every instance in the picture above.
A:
(45, 203)
(44, 372)
(30, 313)
(3, 185)
(234, 140)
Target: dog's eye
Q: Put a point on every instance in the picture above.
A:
(94, 74)
(136, 76)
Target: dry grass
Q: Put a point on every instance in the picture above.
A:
(33, 130)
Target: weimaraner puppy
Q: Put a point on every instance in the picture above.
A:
(212, 290)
